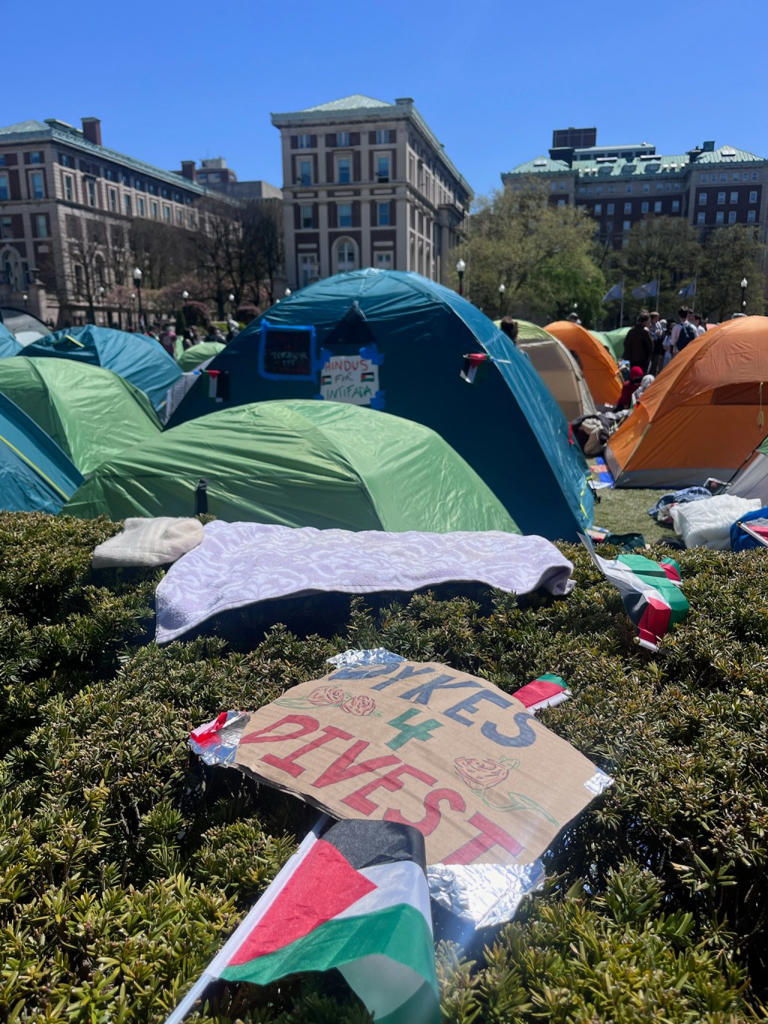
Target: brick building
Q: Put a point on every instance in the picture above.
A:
(621, 185)
(213, 173)
(66, 205)
(366, 183)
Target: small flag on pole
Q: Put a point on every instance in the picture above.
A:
(355, 899)
(616, 292)
(646, 291)
(688, 291)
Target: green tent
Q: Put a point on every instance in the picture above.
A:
(196, 354)
(615, 339)
(298, 463)
(608, 343)
(91, 413)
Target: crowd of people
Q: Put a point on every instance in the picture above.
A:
(168, 338)
(651, 345)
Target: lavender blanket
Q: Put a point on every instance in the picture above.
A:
(239, 564)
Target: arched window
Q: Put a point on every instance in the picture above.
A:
(344, 255)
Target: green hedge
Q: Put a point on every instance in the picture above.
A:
(124, 863)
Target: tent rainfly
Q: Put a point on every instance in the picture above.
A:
(9, 346)
(558, 369)
(140, 359)
(398, 342)
(298, 463)
(91, 413)
(703, 415)
(597, 364)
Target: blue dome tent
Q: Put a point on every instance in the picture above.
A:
(9, 346)
(396, 341)
(35, 474)
(139, 359)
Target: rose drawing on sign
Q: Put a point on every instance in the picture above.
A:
(480, 773)
(327, 695)
(360, 704)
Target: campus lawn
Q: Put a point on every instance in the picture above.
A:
(625, 510)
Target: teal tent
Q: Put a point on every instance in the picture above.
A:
(8, 344)
(90, 412)
(616, 340)
(139, 359)
(396, 342)
(196, 354)
(35, 474)
(297, 463)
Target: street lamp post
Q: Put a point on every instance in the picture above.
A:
(101, 300)
(744, 283)
(137, 276)
(132, 310)
(25, 297)
(461, 266)
(502, 289)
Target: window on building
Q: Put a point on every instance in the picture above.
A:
(719, 217)
(731, 216)
(751, 216)
(599, 189)
(611, 188)
(140, 205)
(720, 198)
(609, 226)
(36, 157)
(69, 191)
(127, 203)
(383, 137)
(582, 190)
(343, 170)
(701, 218)
(383, 260)
(344, 211)
(191, 222)
(675, 206)
(307, 269)
(345, 255)
(6, 227)
(304, 141)
(41, 225)
(79, 279)
(180, 218)
(753, 197)
(626, 225)
(153, 209)
(657, 206)
(90, 187)
(113, 200)
(646, 188)
(610, 209)
(676, 186)
(629, 188)
(598, 209)
(754, 175)
(166, 213)
(734, 197)
(382, 167)
(305, 172)
(627, 207)
(342, 138)
(305, 217)
(37, 185)
(702, 198)
(382, 214)
(643, 208)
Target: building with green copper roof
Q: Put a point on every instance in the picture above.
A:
(622, 184)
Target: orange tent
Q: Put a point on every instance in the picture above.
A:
(703, 415)
(599, 369)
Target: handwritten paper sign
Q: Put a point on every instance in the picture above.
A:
(353, 379)
(422, 744)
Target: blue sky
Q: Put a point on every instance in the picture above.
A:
(175, 81)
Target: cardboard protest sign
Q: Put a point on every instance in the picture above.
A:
(423, 745)
(351, 378)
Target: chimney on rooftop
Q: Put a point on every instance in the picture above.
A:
(92, 129)
(188, 169)
(403, 101)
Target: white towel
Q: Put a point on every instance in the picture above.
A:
(149, 542)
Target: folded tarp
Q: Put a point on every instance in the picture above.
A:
(149, 542)
(240, 564)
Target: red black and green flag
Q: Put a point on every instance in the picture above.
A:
(355, 899)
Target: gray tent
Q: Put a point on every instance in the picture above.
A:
(558, 369)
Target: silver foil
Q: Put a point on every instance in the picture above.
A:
(485, 894)
(220, 747)
(598, 783)
(377, 656)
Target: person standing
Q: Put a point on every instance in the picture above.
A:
(638, 344)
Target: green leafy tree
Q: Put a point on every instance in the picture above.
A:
(730, 254)
(542, 254)
(663, 249)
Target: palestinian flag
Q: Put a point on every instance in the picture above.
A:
(650, 592)
(545, 691)
(355, 899)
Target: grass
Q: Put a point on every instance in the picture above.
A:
(625, 510)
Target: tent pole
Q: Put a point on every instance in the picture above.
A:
(621, 310)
